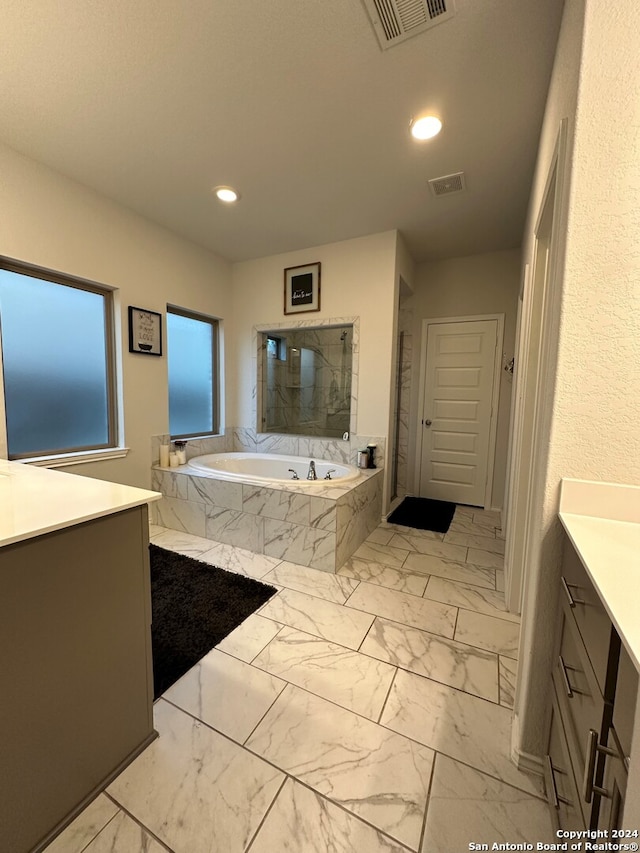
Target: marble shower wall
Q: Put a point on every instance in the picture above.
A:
(404, 374)
(318, 526)
(305, 384)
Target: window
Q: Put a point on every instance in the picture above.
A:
(192, 351)
(57, 355)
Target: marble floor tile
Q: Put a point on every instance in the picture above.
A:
(471, 540)
(500, 580)
(457, 724)
(464, 511)
(485, 558)
(122, 833)
(302, 821)
(312, 581)
(447, 661)
(249, 638)
(384, 554)
(467, 806)
(193, 784)
(487, 518)
(470, 597)
(239, 560)
(434, 547)
(225, 693)
(85, 827)
(182, 543)
(403, 530)
(489, 633)
(348, 678)
(465, 524)
(374, 773)
(325, 619)
(367, 570)
(380, 536)
(508, 675)
(408, 609)
(455, 571)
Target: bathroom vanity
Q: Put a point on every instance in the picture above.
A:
(75, 645)
(593, 762)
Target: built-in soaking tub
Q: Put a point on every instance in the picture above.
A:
(265, 467)
(250, 500)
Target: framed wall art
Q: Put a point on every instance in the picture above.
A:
(302, 289)
(145, 331)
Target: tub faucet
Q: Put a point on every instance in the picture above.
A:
(312, 471)
(295, 474)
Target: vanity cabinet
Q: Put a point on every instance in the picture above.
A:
(75, 645)
(594, 689)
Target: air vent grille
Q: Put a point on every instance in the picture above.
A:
(397, 20)
(447, 184)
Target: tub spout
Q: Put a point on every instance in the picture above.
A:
(312, 471)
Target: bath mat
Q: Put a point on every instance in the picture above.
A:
(194, 606)
(424, 514)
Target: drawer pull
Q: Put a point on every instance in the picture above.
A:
(565, 677)
(572, 601)
(551, 774)
(593, 747)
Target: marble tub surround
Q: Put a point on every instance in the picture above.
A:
(357, 751)
(319, 527)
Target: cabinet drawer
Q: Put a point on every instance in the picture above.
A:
(562, 792)
(591, 618)
(614, 784)
(579, 698)
(624, 708)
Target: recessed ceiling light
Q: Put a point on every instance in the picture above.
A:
(226, 194)
(426, 127)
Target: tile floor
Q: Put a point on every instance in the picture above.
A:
(365, 711)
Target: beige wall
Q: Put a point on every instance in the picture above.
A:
(357, 280)
(458, 287)
(589, 424)
(48, 220)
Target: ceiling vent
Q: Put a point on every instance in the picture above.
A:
(395, 21)
(448, 184)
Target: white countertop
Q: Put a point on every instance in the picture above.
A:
(36, 500)
(602, 521)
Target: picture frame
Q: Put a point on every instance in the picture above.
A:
(145, 331)
(302, 289)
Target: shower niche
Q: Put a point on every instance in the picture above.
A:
(305, 380)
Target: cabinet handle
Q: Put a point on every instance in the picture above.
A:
(593, 747)
(555, 802)
(565, 676)
(572, 601)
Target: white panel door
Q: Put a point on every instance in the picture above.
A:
(458, 404)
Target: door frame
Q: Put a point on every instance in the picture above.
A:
(521, 534)
(495, 392)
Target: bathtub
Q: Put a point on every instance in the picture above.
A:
(270, 468)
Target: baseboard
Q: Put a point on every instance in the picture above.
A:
(524, 761)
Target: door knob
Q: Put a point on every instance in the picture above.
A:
(427, 422)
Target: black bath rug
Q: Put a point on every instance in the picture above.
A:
(194, 606)
(424, 514)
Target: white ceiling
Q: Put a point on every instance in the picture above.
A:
(154, 102)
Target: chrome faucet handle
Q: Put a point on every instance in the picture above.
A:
(327, 476)
(295, 474)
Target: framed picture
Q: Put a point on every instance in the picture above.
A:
(302, 289)
(145, 331)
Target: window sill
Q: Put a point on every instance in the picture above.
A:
(61, 460)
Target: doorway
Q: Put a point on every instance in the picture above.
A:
(459, 388)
